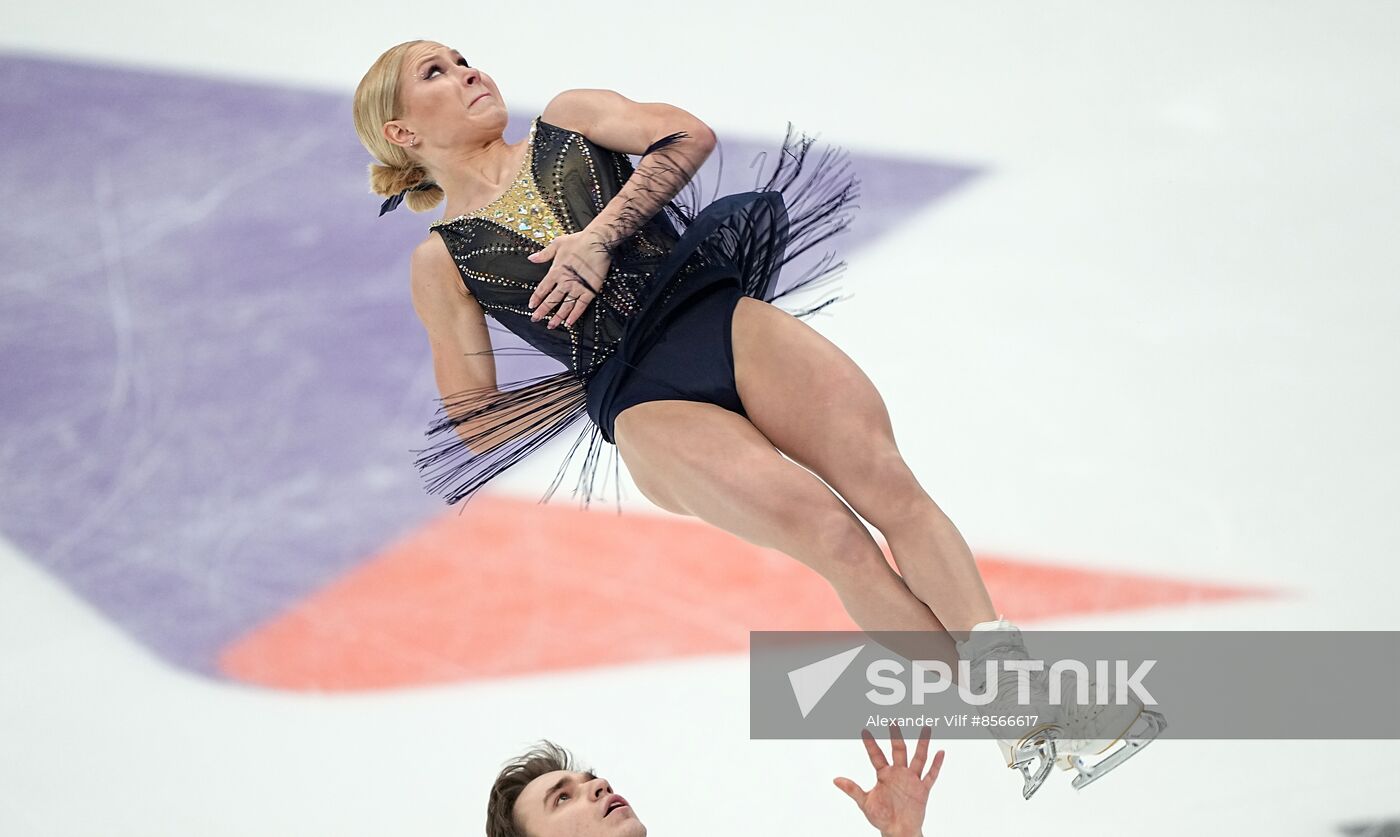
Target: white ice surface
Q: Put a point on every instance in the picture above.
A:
(1158, 335)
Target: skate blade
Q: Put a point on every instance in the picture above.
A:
(1144, 731)
(1066, 760)
(1025, 754)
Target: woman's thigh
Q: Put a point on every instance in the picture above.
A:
(696, 458)
(819, 407)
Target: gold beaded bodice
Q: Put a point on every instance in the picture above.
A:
(563, 183)
(521, 208)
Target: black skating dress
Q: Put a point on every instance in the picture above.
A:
(659, 328)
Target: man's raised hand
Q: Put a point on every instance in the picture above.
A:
(896, 804)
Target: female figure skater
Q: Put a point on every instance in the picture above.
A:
(723, 405)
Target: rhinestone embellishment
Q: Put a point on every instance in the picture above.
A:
(521, 209)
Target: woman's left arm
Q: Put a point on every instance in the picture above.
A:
(673, 144)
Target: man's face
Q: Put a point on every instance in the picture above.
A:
(567, 804)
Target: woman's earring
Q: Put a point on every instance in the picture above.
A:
(413, 141)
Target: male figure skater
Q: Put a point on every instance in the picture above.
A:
(542, 794)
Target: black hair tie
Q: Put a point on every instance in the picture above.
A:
(392, 202)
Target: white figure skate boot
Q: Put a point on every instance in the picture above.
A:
(1029, 747)
(1065, 733)
(1093, 729)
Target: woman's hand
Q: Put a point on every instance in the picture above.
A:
(896, 804)
(581, 264)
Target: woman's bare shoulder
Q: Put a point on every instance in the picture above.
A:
(432, 271)
(574, 110)
(613, 121)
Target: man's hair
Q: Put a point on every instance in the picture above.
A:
(545, 757)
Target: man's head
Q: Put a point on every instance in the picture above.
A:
(542, 794)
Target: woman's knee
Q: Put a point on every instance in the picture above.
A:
(840, 548)
(885, 491)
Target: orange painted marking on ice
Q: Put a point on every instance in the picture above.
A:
(512, 587)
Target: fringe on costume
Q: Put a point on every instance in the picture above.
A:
(806, 199)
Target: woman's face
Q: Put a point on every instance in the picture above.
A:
(445, 101)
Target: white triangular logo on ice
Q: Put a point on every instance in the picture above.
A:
(811, 682)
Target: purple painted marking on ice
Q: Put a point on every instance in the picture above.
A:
(213, 373)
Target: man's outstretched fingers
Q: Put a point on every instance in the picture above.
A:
(921, 751)
(898, 752)
(851, 789)
(933, 769)
(877, 756)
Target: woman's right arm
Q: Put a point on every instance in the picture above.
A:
(461, 344)
(454, 321)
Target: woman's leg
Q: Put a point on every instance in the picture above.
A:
(699, 459)
(816, 405)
